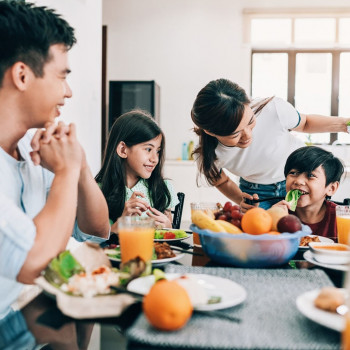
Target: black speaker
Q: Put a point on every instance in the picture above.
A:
(127, 95)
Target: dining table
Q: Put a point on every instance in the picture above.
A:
(267, 318)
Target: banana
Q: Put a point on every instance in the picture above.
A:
(204, 221)
(230, 228)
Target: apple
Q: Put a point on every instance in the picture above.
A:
(289, 223)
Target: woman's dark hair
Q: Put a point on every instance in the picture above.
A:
(218, 108)
(132, 128)
(308, 158)
(26, 34)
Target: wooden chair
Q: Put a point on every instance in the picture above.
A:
(177, 212)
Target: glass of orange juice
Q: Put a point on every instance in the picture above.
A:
(209, 208)
(343, 223)
(136, 235)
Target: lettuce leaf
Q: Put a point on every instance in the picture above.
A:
(292, 197)
(62, 268)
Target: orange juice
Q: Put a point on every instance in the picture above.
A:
(136, 242)
(343, 228)
(346, 333)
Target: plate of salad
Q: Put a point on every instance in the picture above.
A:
(169, 235)
(113, 253)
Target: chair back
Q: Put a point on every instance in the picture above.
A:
(346, 201)
(177, 212)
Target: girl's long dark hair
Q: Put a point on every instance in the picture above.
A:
(218, 108)
(132, 128)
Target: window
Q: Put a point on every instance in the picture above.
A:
(305, 58)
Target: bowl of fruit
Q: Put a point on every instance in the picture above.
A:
(257, 238)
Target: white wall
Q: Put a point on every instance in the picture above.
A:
(183, 44)
(84, 108)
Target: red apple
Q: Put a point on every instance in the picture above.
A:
(289, 223)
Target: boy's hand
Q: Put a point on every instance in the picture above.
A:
(245, 206)
(135, 205)
(160, 219)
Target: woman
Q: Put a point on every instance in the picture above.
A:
(250, 139)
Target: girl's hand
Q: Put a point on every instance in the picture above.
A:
(245, 206)
(135, 205)
(160, 219)
(283, 204)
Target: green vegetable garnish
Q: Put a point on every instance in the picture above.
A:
(62, 268)
(292, 197)
(159, 234)
(158, 275)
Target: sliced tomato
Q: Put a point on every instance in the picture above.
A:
(169, 235)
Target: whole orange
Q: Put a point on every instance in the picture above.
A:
(274, 233)
(256, 221)
(167, 306)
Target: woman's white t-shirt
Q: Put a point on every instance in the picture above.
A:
(263, 161)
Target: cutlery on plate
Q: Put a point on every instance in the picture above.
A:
(217, 314)
(185, 251)
(252, 201)
(210, 313)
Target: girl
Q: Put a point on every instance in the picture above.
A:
(317, 173)
(131, 174)
(251, 140)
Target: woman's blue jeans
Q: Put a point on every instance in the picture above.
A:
(264, 191)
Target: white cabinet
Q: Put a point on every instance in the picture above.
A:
(184, 177)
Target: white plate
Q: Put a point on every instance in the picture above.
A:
(322, 239)
(158, 262)
(305, 304)
(231, 293)
(308, 256)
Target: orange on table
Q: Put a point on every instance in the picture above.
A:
(256, 221)
(167, 306)
(136, 242)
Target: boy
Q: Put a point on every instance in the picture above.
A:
(46, 188)
(317, 173)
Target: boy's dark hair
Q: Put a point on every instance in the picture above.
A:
(308, 158)
(133, 127)
(26, 34)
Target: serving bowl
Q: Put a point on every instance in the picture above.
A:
(246, 250)
(326, 253)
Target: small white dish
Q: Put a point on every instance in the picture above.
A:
(231, 293)
(326, 253)
(305, 304)
(308, 256)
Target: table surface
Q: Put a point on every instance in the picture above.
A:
(41, 322)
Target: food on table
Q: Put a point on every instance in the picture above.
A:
(337, 246)
(230, 213)
(276, 214)
(163, 250)
(329, 299)
(97, 282)
(292, 197)
(229, 228)
(256, 221)
(167, 306)
(158, 275)
(169, 234)
(289, 223)
(204, 221)
(304, 241)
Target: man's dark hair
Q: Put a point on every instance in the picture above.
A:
(307, 159)
(26, 34)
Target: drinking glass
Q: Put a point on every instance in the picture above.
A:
(343, 223)
(209, 208)
(136, 235)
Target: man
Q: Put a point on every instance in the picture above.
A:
(46, 188)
